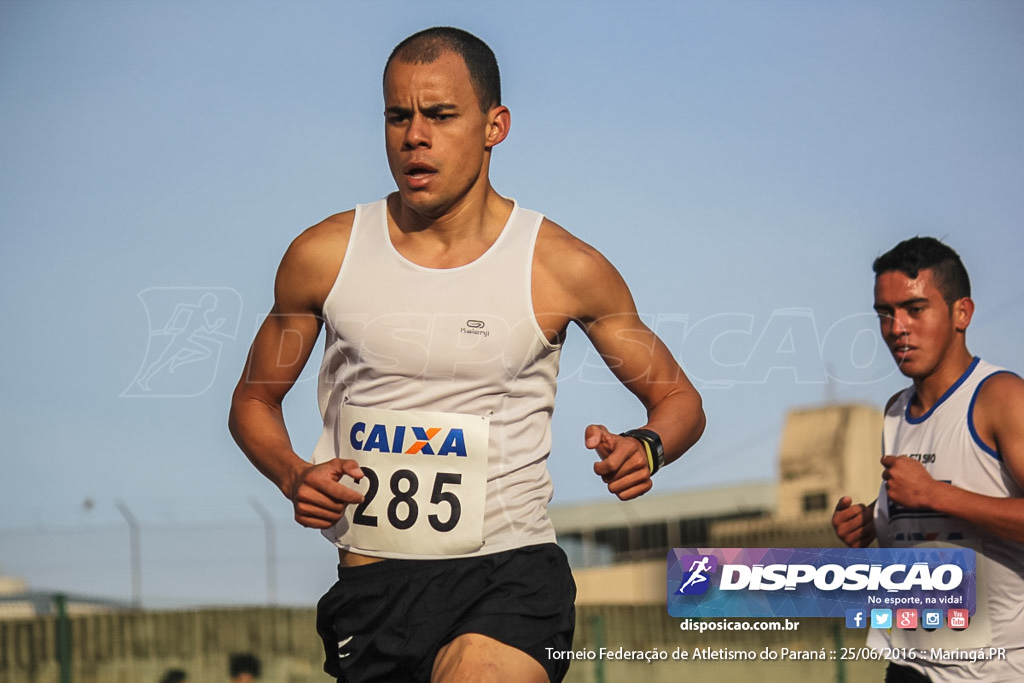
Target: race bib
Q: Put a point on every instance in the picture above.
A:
(425, 480)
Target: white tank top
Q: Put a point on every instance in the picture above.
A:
(945, 441)
(464, 345)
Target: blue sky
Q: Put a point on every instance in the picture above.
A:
(741, 163)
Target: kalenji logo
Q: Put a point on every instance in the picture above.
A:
(377, 438)
(475, 327)
(695, 581)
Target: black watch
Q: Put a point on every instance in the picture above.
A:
(652, 446)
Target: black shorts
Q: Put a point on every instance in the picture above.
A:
(897, 673)
(386, 621)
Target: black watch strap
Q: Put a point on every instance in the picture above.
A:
(652, 446)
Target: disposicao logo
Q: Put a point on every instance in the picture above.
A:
(823, 582)
(696, 580)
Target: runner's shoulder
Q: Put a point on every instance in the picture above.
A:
(1002, 384)
(325, 239)
(559, 251)
(1000, 400)
(313, 259)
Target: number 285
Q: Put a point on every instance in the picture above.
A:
(403, 510)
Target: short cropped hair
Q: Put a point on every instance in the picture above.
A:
(246, 663)
(927, 253)
(427, 45)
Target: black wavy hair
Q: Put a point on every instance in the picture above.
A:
(912, 256)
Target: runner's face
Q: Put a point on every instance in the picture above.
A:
(917, 324)
(437, 138)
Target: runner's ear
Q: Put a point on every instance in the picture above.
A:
(499, 123)
(963, 310)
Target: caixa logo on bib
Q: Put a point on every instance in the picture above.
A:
(822, 582)
(420, 440)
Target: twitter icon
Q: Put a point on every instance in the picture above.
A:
(881, 618)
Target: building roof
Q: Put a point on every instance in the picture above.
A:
(31, 604)
(728, 501)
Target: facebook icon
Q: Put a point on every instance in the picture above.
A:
(856, 618)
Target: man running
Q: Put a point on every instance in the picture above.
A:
(445, 307)
(954, 463)
(697, 570)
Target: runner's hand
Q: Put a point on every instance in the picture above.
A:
(907, 482)
(854, 524)
(623, 462)
(318, 496)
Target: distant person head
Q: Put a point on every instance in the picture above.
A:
(174, 676)
(243, 667)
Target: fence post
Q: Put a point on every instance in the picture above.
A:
(837, 634)
(597, 623)
(63, 625)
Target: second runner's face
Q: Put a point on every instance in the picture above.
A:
(916, 322)
(435, 133)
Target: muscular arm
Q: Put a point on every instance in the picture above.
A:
(594, 296)
(279, 352)
(999, 420)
